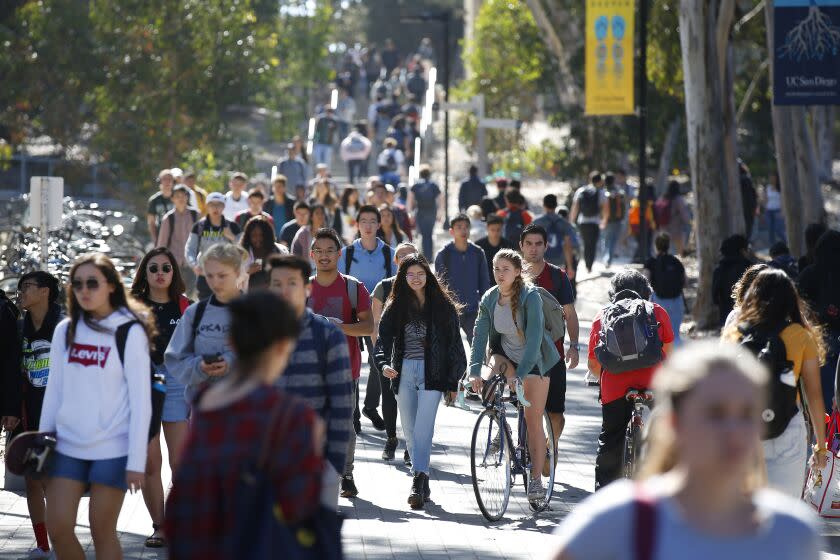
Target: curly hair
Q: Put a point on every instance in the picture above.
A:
(261, 223)
(739, 290)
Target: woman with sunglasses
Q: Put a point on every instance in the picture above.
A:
(159, 285)
(98, 407)
(419, 349)
(199, 352)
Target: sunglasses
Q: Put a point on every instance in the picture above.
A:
(166, 268)
(92, 284)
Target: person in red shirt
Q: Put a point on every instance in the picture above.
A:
(615, 408)
(330, 297)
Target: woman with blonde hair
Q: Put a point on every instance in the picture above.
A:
(773, 310)
(510, 320)
(699, 494)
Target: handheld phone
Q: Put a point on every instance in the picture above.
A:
(211, 358)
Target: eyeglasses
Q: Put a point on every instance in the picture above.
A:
(92, 284)
(23, 287)
(415, 275)
(328, 252)
(167, 268)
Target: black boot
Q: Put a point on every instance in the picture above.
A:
(418, 485)
(407, 458)
(390, 447)
(427, 492)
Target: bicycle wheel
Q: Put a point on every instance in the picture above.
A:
(632, 443)
(551, 459)
(490, 465)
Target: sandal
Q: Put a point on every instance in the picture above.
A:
(155, 541)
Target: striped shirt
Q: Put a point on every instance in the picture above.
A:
(319, 373)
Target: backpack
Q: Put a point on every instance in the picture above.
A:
(391, 161)
(629, 337)
(170, 219)
(767, 345)
(348, 259)
(669, 278)
(356, 145)
(158, 379)
(662, 212)
(555, 319)
(589, 202)
(514, 224)
(615, 207)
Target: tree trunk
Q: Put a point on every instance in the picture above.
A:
(706, 135)
(802, 201)
(567, 88)
(668, 148)
(732, 195)
(822, 117)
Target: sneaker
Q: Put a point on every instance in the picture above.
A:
(406, 458)
(38, 552)
(348, 487)
(536, 491)
(357, 426)
(373, 415)
(390, 448)
(418, 485)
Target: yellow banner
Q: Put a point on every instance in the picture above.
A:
(609, 57)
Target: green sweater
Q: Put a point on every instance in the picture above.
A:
(539, 348)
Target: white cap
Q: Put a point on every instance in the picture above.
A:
(216, 197)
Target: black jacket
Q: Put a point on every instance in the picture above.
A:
(445, 359)
(726, 274)
(289, 203)
(10, 378)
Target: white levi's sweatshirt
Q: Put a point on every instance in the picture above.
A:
(98, 409)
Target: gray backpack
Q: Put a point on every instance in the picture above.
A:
(629, 336)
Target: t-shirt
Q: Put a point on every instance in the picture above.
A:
(158, 206)
(368, 266)
(381, 292)
(333, 301)
(799, 346)
(615, 385)
(35, 351)
(490, 252)
(602, 197)
(787, 531)
(426, 194)
(667, 276)
(557, 228)
(233, 206)
(414, 341)
(167, 317)
(513, 343)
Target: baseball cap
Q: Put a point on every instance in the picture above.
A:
(181, 188)
(216, 197)
(176, 172)
(239, 175)
(390, 189)
(164, 172)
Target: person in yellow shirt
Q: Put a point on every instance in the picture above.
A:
(772, 305)
(199, 194)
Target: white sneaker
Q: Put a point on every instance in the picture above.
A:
(536, 491)
(39, 553)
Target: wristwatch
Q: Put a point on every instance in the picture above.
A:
(574, 346)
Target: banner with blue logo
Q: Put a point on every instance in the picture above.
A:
(806, 48)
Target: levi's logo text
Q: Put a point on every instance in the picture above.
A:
(89, 355)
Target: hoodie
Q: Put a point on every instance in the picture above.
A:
(816, 281)
(98, 408)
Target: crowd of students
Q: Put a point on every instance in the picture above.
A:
(273, 345)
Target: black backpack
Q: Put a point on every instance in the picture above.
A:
(767, 345)
(514, 224)
(158, 380)
(629, 337)
(616, 207)
(668, 277)
(589, 202)
(391, 161)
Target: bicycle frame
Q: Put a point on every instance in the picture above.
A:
(636, 431)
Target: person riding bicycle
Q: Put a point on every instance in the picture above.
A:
(626, 288)
(510, 319)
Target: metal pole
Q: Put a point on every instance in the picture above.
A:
(480, 136)
(446, 72)
(45, 220)
(644, 244)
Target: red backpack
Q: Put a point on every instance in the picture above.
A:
(662, 212)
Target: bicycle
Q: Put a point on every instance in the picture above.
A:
(493, 476)
(635, 434)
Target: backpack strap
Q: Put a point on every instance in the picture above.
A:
(121, 335)
(644, 524)
(352, 286)
(348, 258)
(386, 252)
(200, 308)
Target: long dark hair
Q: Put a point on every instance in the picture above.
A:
(119, 299)
(262, 223)
(395, 226)
(771, 301)
(404, 302)
(345, 200)
(140, 287)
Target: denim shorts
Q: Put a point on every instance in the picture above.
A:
(108, 472)
(175, 407)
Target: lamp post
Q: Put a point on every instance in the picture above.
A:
(644, 243)
(444, 17)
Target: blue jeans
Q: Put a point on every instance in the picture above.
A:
(675, 308)
(356, 169)
(426, 225)
(775, 226)
(322, 153)
(418, 409)
(610, 240)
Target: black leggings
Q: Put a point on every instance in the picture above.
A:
(614, 418)
(379, 385)
(590, 234)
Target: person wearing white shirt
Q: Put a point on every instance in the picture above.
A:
(235, 199)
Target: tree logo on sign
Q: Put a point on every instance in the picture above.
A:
(813, 38)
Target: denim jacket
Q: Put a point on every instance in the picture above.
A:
(539, 348)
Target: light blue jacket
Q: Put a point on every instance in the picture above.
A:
(539, 348)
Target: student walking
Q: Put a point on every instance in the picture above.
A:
(344, 301)
(589, 211)
(281, 207)
(667, 277)
(258, 240)
(98, 403)
(510, 321)
(460, 265)
(174, 231)
(240, 422)
(774, 320)
(24, 389)
(207, 232)
(158, 284)
(562, 243)
(199, 351)
(699, 495)
(424, 200)
(611, 226)
(494, 242)
(419, 349)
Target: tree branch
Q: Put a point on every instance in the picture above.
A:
(751, 89)
(555, 45)
(725, 17)
(751, 14)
